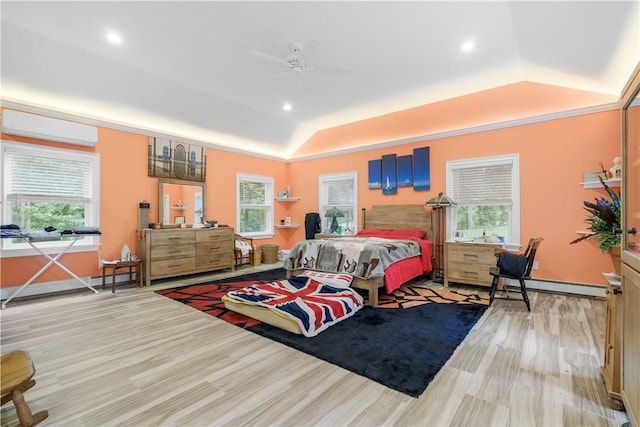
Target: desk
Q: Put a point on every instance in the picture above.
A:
(114, 266)
(52, 260)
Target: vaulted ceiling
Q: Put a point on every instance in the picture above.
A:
(208, 70)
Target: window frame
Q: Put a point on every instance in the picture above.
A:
(323, 197)
(269, 205)
(506, 159)
(87, 243)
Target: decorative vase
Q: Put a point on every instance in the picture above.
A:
(614, 252)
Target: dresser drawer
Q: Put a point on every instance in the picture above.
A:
(218, 248)
(480, 254)
(476, 274)
(172, 252)
(214, 235)
(214, 261)
(173, 237)
(176, 266)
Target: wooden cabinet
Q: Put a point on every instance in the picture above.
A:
(469, 263)
(611, 367)
(175, 252)
(630, 300)
(630, 351)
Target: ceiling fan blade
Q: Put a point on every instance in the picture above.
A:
(336, 71)
(306, 83)
(268, 57)
(310, 48)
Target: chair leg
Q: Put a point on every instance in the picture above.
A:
(27, 419)
(523, 290)
(492, 291)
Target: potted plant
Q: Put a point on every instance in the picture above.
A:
(604, 223)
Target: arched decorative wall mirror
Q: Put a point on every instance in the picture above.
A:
(181, 201)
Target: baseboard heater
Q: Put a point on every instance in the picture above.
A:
(35, 126)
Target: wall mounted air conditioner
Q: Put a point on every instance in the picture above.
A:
(50, 129)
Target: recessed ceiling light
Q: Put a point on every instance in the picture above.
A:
(114, 38)
(287, 107)
(467, 46)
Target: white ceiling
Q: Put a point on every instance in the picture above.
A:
(185, 68)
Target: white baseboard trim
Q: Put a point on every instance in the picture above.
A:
(70, 284)
(580, 289)
(65, 285)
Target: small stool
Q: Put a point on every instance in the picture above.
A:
(17, 373)
(115, 266)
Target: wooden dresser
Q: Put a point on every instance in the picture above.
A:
(175, 252)
(469, 263)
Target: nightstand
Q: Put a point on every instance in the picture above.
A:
(468, 262)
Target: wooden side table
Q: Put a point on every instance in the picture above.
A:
(115, 266)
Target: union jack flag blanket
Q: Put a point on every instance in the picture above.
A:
(315, 306)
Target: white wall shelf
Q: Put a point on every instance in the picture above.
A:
(287, 199)
(287, 226)
(597, 184)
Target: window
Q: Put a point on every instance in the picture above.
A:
(339, 191)
(255, 205)
(487, 192)
(49, 187)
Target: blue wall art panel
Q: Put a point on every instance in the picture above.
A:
(389, 177)
(375, 173)
(405, 171)
(421, 169)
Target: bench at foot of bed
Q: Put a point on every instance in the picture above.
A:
(371, 285)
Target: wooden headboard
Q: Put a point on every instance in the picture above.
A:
(399, 216)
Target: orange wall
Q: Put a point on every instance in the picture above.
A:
(124, 184)
(553, 157)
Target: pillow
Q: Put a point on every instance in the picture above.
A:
(332, 279)
(407, 232)
(372, 233)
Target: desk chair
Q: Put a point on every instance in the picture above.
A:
(529, 254)
(17, 373)
(243, 250)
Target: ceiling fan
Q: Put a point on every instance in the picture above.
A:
(298, 63)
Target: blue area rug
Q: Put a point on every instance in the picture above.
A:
(402, 349)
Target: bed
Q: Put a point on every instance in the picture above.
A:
(393, 247)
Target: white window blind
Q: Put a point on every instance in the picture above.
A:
(37, 178)
(340, 192)
(483, 185)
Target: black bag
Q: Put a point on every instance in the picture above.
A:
(512, 264)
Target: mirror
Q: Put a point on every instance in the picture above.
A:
(181, 201)
(631, 133)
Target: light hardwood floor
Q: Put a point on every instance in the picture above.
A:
(137, 358)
